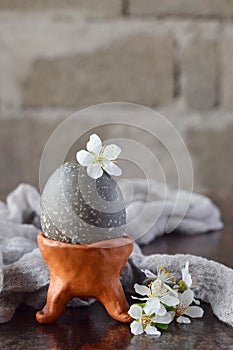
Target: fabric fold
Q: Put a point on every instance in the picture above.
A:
(153, 209)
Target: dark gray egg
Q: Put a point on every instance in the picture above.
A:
(78, 209)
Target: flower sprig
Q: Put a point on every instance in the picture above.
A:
(164, 299)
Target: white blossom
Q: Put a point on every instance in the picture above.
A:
(99, 157)
(185, 308)
(146, 317)
(164, 276)
(159, 293)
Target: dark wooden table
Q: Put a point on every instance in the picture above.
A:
(91, 328)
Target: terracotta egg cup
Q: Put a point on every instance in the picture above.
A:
(85, 271)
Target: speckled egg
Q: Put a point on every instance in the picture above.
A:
(78, 209)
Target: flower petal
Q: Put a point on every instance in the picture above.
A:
(182, 319)
(170, 300)
(152, 330)
(156, 287)
(172, 313)
(111, 152)
(152, 306)
(186, 298)
(94, 144)
(112, 169)
(149, 274)
(186, 277)
(84, 158)
(136, 328)
(135, 311)
(162, 275)
(143, 290)
(143, 299)
(166, 319)
(194, 311)
(188, 280)
(196, 301)
(94, 170)
(162, 310)
(185, 270)
(172, 292)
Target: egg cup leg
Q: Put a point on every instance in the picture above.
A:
(115, 302)
(57, 298)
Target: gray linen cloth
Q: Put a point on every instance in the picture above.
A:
(24, 277)
(165, 209)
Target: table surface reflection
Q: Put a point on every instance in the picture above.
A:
(91, 327)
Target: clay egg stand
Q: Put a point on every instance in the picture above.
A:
(83, 242)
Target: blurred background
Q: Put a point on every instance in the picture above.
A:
(59, 56)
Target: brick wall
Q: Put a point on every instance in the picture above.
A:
(58, 56)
